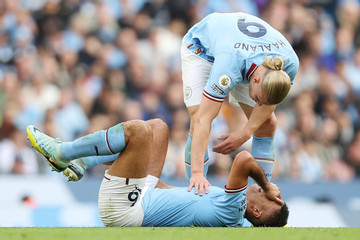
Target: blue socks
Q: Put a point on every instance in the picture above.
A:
(97, 160)
(263, 151)
(188, 158)
(105, 142)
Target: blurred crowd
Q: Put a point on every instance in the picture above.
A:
(72, 67)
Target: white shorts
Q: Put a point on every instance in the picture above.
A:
(120, 201)
(240, 93)
(195, 75)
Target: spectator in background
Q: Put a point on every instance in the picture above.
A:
(353, 154)
(16, 157)
(102, 62)
(69, 110)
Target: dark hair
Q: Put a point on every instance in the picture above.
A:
(277, 220)
(282, 217)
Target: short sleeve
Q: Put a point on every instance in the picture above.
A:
(292, 68)
(231, 207)
(224, 76)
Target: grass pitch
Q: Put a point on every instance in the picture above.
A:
(181, 233)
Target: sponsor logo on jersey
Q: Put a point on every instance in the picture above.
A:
(188, 92)
(224, 81)
(242, 205)
(217, 89)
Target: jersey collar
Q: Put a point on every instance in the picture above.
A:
(252, 69)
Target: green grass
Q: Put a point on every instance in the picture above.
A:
(183, 233)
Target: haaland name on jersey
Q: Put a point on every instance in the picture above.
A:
(259, 47)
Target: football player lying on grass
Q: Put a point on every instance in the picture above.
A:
(131, 193)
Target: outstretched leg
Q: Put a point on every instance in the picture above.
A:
(91, 150)
(59, 154)
(160, 133)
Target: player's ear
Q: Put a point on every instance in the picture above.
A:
(257, 79)
(256, 212)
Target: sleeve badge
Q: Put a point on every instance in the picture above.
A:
(224, 81)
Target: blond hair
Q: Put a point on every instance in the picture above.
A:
(276, 82)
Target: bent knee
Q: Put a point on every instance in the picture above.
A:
(137, 128)
(159, 127)
(243, 157)
(158, 124)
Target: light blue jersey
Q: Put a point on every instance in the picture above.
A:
(236, 43)
(177, 207)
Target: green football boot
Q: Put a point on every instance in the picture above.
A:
(75, 170)
(49, 147)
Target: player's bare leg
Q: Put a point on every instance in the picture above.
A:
(134, 159)
(145, 152)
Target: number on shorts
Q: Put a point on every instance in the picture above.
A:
(243, 27)
(134, 196)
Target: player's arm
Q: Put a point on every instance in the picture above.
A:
(245, 166)
(208, 110)
(234, 140)
(258, 116)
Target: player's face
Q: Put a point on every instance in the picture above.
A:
(256, 195)
(259, 206)
(256, 91)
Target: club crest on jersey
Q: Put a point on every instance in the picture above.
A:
(187, 92)
(224, 81)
